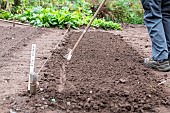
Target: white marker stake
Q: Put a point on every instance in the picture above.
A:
(32, 64)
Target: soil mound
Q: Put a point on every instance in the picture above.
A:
(105, 75)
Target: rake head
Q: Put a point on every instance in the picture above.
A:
(69, 55)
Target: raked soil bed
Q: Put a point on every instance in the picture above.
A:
(105, 75)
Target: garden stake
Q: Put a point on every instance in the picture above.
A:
(13, 22)
(33, 76)
(69, 55)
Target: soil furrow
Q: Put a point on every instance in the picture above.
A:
(15, 63)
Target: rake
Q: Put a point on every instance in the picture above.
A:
(69, 55)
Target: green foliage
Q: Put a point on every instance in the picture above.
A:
(48, 17)
(56, 14)
(128, 11)
(122, 11)
(102, 23)
(5, 14)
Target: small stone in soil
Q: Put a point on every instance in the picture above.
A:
(37, 105)
(122, 80)
(41, 89)
(68, 103)
(11, 111)
(43, 98)
(42, 107)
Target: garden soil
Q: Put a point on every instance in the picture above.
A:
(105, 75)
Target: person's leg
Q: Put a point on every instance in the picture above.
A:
(166, 20)
(153, 21)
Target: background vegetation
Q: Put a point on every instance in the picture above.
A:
(56, 13)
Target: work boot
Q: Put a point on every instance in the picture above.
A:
(160, 66)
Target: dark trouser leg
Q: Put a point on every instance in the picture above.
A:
(166, 20)
(153, 21)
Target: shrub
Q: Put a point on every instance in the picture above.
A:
(122, 11)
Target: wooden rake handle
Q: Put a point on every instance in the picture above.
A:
(88, 26)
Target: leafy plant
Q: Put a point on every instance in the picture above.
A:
(102, 23)
(122, 11)
(75, 12)
(47, 17)
(4, 14)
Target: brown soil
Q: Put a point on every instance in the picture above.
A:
(15, 49)
(105, 75)
(12, 42)
(108, 76)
